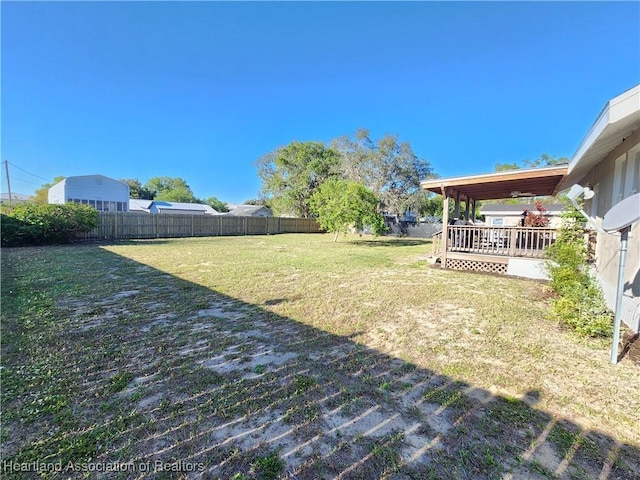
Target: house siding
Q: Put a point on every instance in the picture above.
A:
(514, 220)
(56, 193)
(89, 187)
(608, 246)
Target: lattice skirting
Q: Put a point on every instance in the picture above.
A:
(476, 266)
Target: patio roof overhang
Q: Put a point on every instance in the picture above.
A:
(508, 184)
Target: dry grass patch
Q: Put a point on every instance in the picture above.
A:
(293, 356)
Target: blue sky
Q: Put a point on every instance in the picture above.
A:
(200, 90)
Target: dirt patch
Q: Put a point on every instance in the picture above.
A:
(630, 347)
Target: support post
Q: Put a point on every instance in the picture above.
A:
(466, 210)
(456, 210)
(473, 210)
(619, 292)
(513, 236)
(6, 169)
(445, 227)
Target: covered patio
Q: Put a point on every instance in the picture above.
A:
(507, 250)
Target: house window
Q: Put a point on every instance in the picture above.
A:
(98, 204)
(633, 172)
(626, 180)
(497, 222)
(620, 178)
(593, 207)
(92, 203)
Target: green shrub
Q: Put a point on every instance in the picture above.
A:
(267, 467)
(580, 302)
(35, 224)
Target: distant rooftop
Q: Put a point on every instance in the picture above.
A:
(15, 197)
(137, 205)
(245, 210)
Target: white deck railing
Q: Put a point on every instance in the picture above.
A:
(503, 241)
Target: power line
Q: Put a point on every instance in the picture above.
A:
(23, 180)
(33, 174)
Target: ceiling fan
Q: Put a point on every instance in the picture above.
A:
(519, 194)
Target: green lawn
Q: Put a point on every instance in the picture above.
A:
(292, 356)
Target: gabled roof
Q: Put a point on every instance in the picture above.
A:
(138, 205)
(619, 118)
(512, 183)
(16, 197)
(196, 207)
(246, 210)
(75, 178)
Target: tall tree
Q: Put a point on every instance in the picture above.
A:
(171, 189)
(341, 204)
(290, 175)
(256, 201)
(503, 167)
(137, 190)
(217, 205)
(388, 167)
(41, 195)
(544, 160)
(432, 206)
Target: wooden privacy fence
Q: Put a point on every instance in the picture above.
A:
(125, 225)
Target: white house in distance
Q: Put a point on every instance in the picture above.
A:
(15, 198)
(103, 193)
(510, 215)
(176, 208)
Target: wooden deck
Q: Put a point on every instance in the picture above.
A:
(482, 248)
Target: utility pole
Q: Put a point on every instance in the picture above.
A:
(6, 167)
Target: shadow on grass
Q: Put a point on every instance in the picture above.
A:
(394, 242)
(139, 241)
(115, 363)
